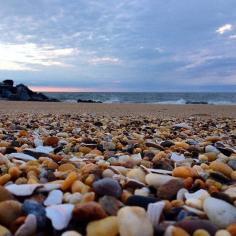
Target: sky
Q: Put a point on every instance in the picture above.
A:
(119, 45)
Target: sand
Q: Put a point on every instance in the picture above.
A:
(161, 111)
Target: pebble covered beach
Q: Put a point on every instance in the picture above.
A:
(107, 170)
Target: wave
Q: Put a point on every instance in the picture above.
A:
(113, 100)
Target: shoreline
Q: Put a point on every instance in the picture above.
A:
(160, 110)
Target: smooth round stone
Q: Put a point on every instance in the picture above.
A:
(35, 208)
(221, 167)
(133, 221)
(107, 186)
(192, 225)
(71, 233)
(156, 180)
(169, 190)
(10, 210)
(167, 144)
(110, 204)
(55, 197)
(87, 212)
(232, 229)
(104, 227)
(222, 232)
(141, 201)
(210, 148)
(201, 232)
(4, 231)
(219, 212)
(232, 164)
(5, 194)
(29, 227)
(184, 172)
(136, 174)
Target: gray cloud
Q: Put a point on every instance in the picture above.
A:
(120, 45)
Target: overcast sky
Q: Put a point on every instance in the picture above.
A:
(119, 45)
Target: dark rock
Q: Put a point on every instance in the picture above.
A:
(35, 208)
(35, 154)
(192, 225)
(167, 144)
(223, 197)
(110, 204)
(220, 177)
(8, 82)
(21, 93)
(107, 186)
(169, 190)
(232, 164)
(87, 101)
(172, 213)
(140, 201)
(183, 215)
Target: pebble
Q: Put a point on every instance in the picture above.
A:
(104, 227)
(110, 204)
(141, 201)
(219, 212)
(29, 227)
(169, 190)
(232, 164)
(222, 232)
(60, 215)
(192, 225)
(5, 194)
(71, 233)
(201, 232)
(4, 231)
(10, 210)
(133, 221)
(156, 180)
(88, 212)
(221, 167)
(184, 172)
(107, 186)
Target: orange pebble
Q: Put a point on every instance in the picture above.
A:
(66, 167)
(23, 133)
(200, 183)
(4, 179)
(71, 178)
(232, 229)
(212, 189)
(184, 172)
(188, 182)
(14, 172)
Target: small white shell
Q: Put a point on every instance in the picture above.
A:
(22, 189)
(22, 156)
(54, 198)
(154, 212)
(44, 149)
(60, 215)
(194, 210)
(181, 194)
(176, 157)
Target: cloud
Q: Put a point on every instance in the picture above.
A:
(232, 36)
(224, 28)
(104, 60)
(26, 57)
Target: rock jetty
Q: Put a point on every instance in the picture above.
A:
(21, 92)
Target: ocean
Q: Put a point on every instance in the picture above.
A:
(148, 97)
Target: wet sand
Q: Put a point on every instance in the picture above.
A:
(162, 111)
